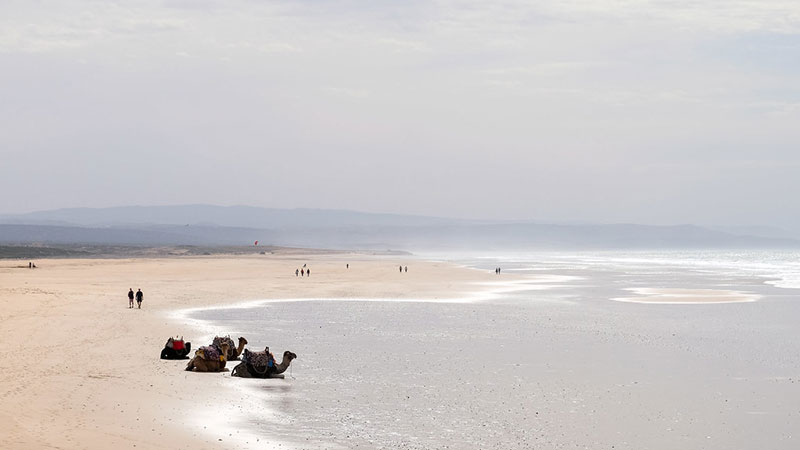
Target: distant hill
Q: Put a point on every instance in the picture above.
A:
(760, 231)
(219, 216)
(203, 225)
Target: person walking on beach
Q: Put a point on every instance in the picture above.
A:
(302, 272)
(297, 272)
(139, 298)
(406, 269)
(308, 272)
(401, 269)
(130, 298)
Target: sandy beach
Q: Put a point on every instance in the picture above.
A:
(443, 356)
(81, 370)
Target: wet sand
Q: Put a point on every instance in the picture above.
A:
(522, 373)
(548, 363)
(687, 296)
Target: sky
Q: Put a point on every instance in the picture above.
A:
(653, 112)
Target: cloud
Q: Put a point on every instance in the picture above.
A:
(404, 46)
(30, 30)
(347, 92)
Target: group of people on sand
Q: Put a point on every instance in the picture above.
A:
(401, 269)
(31, 265)
(497, 270)
(303, 271)
(139, 297)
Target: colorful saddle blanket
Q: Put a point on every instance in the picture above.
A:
(209, 352)
(175, 344)
(258, 359)
(219, 340)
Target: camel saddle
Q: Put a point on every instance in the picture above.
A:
(210, 353)
(226, 339)
(175, 344)
(258, 359)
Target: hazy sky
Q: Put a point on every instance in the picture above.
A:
(640, 111)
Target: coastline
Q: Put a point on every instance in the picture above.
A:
(90, 376)
(80, 369)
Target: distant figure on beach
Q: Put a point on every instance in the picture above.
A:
(130, 298)
(33, 265)
(297, 272)
(308, 272)
(30, 265)
(139, 298)
(348, 265)
(406, 268)
(401, 269)
(302, 272)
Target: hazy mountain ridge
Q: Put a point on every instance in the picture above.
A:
(242, 225)
(211, 215)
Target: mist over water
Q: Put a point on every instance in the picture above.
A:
(657, 268)
(555, 365)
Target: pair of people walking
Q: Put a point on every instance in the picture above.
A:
(139, 297)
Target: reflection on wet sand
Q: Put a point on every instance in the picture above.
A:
(687, 296)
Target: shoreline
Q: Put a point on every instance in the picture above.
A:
(80, 369)
(480, 291)
(117, 392)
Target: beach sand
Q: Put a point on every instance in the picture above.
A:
(416, 360)
(81, 370)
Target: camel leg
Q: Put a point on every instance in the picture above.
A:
(190, 366)
(240, 371)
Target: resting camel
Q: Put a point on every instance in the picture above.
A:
(247, 370)
(233, 351)
(176, 349)
(209, 359)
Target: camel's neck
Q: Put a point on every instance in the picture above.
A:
(240, 348)
(280, 368)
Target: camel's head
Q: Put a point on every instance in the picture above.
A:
(287, 355)
(242, 341)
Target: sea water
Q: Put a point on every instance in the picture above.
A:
(558, 364)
